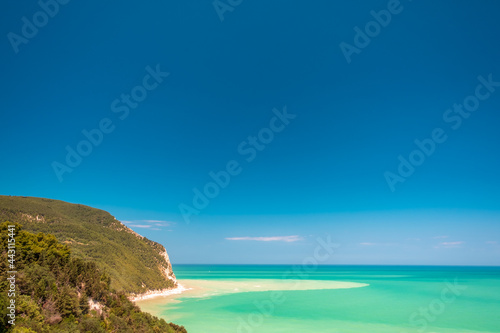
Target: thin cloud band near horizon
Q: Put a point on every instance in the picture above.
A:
(148, 224)
(288, 239)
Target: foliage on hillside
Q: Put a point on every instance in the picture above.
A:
(54, 289)
(134, 263)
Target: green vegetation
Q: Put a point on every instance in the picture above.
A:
(53, 291)
(134, 263)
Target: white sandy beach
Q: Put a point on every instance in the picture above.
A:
(159, 293)
(194, 288)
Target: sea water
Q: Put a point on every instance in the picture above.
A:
(343, 299)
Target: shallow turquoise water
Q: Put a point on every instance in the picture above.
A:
(398, 299)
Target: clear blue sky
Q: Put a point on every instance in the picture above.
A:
(324, 172)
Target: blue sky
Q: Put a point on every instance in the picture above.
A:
(328, 169)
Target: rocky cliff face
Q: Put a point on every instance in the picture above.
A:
(163, 265)
(167, 267)
(135, 264)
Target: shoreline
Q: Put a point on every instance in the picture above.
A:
(158, 293)
(201, 288)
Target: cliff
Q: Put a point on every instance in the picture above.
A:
(135, 264)
(51, 291)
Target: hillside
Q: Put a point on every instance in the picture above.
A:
(50, 291)
(134, 263)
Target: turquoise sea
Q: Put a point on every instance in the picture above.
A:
(343, 299)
